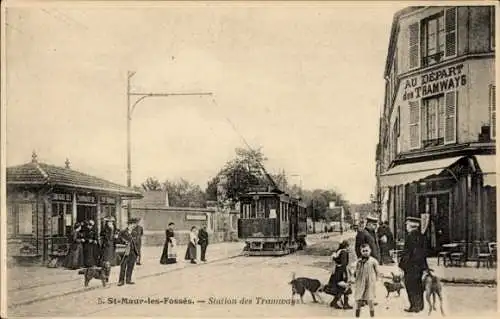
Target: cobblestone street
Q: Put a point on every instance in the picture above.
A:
(217, 290)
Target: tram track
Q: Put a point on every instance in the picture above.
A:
(259, 261)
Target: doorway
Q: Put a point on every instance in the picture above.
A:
(438, 230)
(86, 212)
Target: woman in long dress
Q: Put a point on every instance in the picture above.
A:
(338, 280)
(91, 249)
(74, 258)
(108, 240)
(191, 248)
(169, 256)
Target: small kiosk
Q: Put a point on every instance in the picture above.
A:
(45, 201)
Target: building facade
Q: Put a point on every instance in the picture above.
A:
(436, 152)
(45, 201)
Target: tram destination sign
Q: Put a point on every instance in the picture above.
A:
(434, 82)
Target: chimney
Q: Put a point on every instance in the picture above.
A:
(34, 157)
(67, 164)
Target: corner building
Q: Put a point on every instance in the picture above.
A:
(436, 151)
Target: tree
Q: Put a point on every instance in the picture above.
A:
(239, 175)
(151, 184)
(183, 193)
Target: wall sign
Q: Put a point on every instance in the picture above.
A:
(107, 200)
(196, 217)
(434, 82)
(85, 199)
(62, 197)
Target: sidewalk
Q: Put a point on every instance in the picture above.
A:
(456, 275)
(31, 284)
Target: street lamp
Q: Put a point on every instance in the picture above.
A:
(130, 109)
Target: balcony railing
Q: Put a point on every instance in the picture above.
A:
(432, 59)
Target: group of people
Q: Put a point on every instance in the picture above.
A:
(372, 249)
(196, 237)
(90, 249)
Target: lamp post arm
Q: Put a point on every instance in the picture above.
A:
(143, 96)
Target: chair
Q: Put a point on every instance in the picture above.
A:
(482, 254)
(444, 254)
(458, 255)
(492, 247)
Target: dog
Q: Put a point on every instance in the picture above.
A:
(394, 286)
(301, 284)
(100, 273)
(433, 287)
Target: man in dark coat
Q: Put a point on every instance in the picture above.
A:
(203, 241)
(413, 262)
(128, 237)
(386, 242)
(366, 235)
(139, 232)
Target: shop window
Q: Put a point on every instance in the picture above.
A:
(24, 220)
(492, 111)
(62, 219)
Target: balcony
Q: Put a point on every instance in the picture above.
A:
(432, 59)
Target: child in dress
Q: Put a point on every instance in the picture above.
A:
(366, 277)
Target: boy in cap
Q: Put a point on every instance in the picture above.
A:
(413, 263)
(127, 263)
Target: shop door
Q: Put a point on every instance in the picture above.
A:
(438, 230)
(86, 212)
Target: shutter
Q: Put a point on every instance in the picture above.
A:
(451, 32)
(450, 101)
(414, 124)
(414, 45)
(493, 124)
(423, 121)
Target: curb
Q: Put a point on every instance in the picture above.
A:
(85, 289)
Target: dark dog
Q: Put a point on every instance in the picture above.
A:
(100, 273)
(433, 287)
(301, 284)
(394, 286)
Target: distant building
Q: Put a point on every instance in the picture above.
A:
(436, 149)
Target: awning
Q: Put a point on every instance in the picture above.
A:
(487, 164)
(408, 173)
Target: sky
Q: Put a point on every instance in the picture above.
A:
(304, 81)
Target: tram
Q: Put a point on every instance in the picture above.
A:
(272, 223)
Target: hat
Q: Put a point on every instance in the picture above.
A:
(371, 219)
(413, 220)
(109, 219)
(133, 221)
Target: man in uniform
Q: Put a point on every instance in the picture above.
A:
(413, 263)
(128, 236)
(366, 235)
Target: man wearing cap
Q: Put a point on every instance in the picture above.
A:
(127, 236)
(366, 235)
(413, 263)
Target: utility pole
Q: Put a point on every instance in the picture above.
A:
(140, 96)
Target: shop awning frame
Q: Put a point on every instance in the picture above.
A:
(412, 172)
(487, 165)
